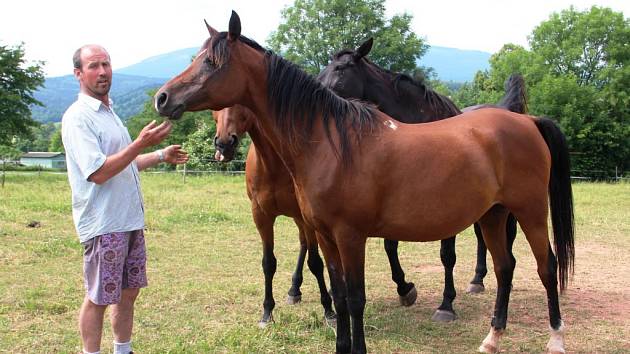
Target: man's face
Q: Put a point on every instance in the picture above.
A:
(95, 74)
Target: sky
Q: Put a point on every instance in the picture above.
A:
(134, 30)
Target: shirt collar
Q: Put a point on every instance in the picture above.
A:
(92, 102)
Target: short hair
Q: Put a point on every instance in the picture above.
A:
(76, 58)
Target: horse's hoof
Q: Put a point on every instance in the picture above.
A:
(330, 319)
(444, 316)
(555, 351)
(293, 300)
(475, 288)
(410, 298)
(264, 322)
(487, 348)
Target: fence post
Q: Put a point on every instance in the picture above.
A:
(3, 163)
(616, 175)
(184, 175)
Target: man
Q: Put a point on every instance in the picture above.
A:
(107, 205)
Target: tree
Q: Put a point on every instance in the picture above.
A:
(312, 30)
(577, 73)
(56, 144)
(582, 43)
(182, 128)
(17, 85)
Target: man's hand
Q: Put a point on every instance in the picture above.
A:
(175, 155)
(153, 134)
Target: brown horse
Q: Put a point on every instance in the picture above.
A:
(270, 190)
(357, 172)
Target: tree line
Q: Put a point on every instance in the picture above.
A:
(576, 71)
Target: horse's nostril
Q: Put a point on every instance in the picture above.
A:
(161, 100)
(234, 140)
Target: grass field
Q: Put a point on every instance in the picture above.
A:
(206, 284)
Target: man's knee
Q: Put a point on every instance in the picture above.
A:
(129, 295)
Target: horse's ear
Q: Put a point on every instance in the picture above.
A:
(234, 31)
(211, 30)
(364, 49)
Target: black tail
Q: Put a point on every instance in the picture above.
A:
(515, 98)
(560, 197)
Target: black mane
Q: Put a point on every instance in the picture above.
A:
(436, 101)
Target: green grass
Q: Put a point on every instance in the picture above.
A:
(206, 285)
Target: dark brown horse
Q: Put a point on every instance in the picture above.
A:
(352, 75)
(357, 172)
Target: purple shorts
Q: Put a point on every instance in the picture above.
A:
(112, 262)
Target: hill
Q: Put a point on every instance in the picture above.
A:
(455, 65)
(451, 64)
(129, 92)
(131, 83)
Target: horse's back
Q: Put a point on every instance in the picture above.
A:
(451, 171)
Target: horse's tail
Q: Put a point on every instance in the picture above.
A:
(560, 197)
(515, 98)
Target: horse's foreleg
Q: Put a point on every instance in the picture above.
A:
(295, 295)
(445, 312)
(352, 251)
(339, 291)
(407, 293)
(264, 224)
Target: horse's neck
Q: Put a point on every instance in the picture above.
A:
(265, 150)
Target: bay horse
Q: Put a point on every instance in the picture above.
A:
(270, 190)
(359, 173)
(352, 75)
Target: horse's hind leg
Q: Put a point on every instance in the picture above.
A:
(493, 225)
(316, 266)
(445, 312)
(264, 224)
(476, 284)
(535, 230)
(407, 293)
(295, 295)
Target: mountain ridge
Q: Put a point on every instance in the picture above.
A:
(131, 83)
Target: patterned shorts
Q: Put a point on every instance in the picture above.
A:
(112, 262)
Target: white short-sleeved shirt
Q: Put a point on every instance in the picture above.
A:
(91, 131)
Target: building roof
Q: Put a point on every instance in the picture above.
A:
(42, 155)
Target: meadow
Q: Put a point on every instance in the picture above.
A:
(206, 284)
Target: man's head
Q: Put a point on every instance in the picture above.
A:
(92, 67)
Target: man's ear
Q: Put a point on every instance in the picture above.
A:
(77, 73)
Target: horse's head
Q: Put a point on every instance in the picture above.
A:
(215, 79)
(345, 74)
(232, 123)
